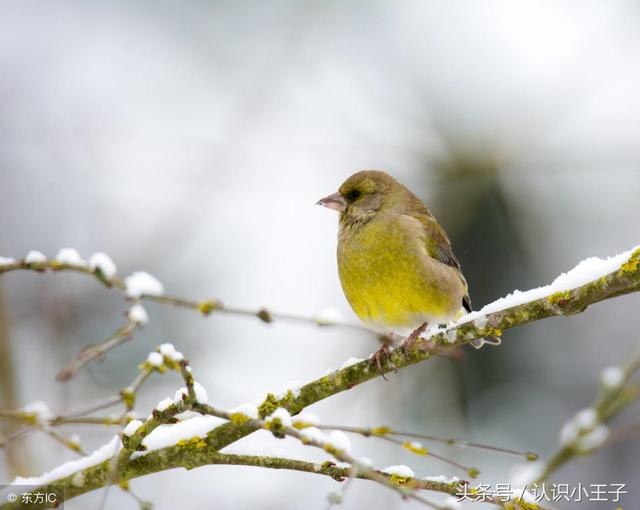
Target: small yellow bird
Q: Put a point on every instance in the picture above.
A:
(396, 265)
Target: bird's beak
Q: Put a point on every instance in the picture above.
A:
(333, 201)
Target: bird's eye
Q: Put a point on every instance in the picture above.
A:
(353, 194)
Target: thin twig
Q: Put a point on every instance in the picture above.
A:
(622, 281)
(74, 447)
(388, 431)
(120, 335)
(205, 307)
(611, 401)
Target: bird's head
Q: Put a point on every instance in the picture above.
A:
(362, 195)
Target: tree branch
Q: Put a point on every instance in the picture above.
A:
(624, 280)
(205, 306)
(587, 432)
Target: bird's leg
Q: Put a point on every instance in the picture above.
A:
(410, 340)
(378, 357)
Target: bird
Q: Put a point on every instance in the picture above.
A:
(395, 262)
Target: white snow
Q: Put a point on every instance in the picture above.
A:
(568, 433)
(34, 257)
(365, 462)
(7, 261)
(415, 445)
(586, 271)
(329, 371)
(306, 417)
(103, 453)
(314, 434)
(291, 386)
(142, 283)
(103, 262)
(399, 470)
(583, 421)
(40, 410)
(294, 387)
(70, 256)
(586, 419)
(131, 427)
(163, 404)
(201, 393)
(168, 435)
(138, 315)
(526, 473)
(186, 415)
(480, 322)
(249, 409)
(328, 316)
(335, 438)
(155, 359)
(169, 351)
(441, 479)
(349, 362)
(593, 439)
(282, 414)
(339, 440)
(132, 415)
(179, 394)
(612, 377)
(78, 480)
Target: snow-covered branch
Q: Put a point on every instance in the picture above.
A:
(592, 281)
(184, 420)
(588, 431)
(141, 286)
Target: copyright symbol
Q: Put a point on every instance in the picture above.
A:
(12, 497)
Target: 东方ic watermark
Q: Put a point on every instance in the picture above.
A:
(26, 496)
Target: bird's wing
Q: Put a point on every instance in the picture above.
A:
(439, 247)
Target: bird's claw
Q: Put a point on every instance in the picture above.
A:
(407, 344)
(378, 357)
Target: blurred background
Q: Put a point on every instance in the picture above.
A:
(191, 140)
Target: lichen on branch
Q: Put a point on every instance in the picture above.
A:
(561, 299)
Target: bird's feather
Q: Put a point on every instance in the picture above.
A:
(439, 246)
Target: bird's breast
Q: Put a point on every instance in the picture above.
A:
(390, 282)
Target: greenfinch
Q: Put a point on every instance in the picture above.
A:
(395, 262)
